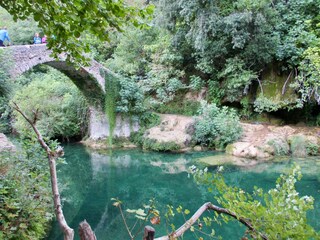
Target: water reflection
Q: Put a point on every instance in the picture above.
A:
(91, 179)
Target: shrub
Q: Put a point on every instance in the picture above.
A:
(312, 149)
(216, 127)
(298, 146)
(152, 144)
(187, 107)
(25, 211)
(280, 146)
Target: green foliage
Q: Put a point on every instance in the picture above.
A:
(280, 146)
(293, 32)
(308, 81)
(68, 20)
(25, 197)
(5, 91)
(154, 145)
(246, 111)
(5, 114)
(279, 213)
(312, 149)
(264, 104)
(151, 60)
(20, 32)
(236, 79)
(135, 62)
(216, 127)
(131, 98)
(298, 146)
(178, 106)
(215, 92)
(196, 83)
(149, 119)
(112, 88)
(62, 110)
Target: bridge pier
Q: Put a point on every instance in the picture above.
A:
(99, 125)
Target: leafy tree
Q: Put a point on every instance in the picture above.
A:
(66, 21)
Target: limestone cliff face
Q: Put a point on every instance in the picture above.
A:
(173, 128)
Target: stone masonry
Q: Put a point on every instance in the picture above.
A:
(89, 80)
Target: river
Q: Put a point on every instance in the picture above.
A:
(90, 179)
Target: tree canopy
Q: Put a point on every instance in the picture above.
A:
(65, 22)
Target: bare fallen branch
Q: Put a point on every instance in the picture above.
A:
(197, 215)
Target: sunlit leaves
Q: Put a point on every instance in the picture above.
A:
(279, 213)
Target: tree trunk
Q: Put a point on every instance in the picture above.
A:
(67, 231)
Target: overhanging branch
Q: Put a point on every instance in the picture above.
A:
(209, 206)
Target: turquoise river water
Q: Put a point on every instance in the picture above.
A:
(90, 179)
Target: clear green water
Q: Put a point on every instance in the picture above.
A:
(90, 179)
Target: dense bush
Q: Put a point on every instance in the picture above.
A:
(25, 197)
(62, 110)
(216, 127)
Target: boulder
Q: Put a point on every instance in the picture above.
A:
(5, 144)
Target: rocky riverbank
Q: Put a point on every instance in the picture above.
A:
(258, 141)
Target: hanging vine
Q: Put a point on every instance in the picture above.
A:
(112, 90)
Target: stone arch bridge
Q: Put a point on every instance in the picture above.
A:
(90, 80)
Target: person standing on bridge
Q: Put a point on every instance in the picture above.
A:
(44, 39)
(4, 36)
(36, 39)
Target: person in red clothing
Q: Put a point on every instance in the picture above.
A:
(44, 39)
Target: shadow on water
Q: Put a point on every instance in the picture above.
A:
(90, 179)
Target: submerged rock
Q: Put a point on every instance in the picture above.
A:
(222, 159)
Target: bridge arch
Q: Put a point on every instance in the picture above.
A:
(90, 81)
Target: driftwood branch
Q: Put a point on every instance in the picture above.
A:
(197, 215)
(284, 85)
(52, 157)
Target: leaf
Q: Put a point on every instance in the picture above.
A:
(186, 211)
(131, 210)
(155, 220)
(141, 212)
